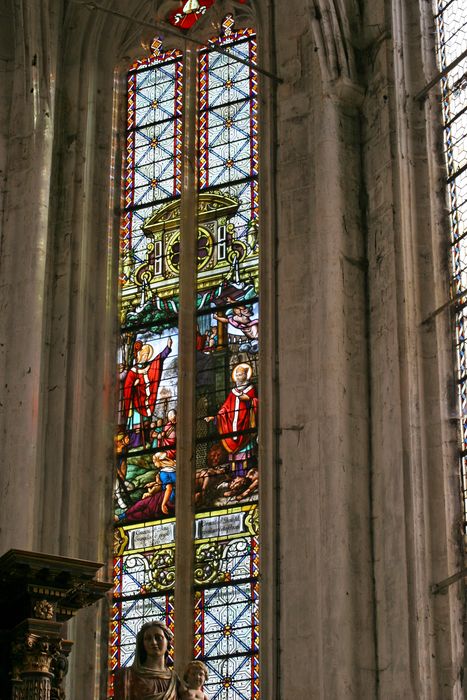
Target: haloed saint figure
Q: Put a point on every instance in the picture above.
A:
(236, 419)
(140, 389)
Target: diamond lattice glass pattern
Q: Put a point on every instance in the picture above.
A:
(451, 25)
(228, 338)
(145, 485)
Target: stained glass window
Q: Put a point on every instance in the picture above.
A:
(451, 25)
(226, 545)
(144, 569)
(226, 308)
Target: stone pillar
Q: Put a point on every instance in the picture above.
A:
(325, 552)
(38, 594)
(415, 486)
(28, 130)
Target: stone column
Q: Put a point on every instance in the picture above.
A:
(28, 129)
(415, 486)
(326, 593)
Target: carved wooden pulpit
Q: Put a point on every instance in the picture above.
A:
(38, 594)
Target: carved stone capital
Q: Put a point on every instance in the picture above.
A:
(31, 653)
(39, 662)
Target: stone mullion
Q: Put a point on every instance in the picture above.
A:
(186, 371)
(268, 377)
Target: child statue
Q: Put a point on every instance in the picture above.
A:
(195, 677)
(149, 677)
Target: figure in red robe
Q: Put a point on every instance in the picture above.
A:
(140, 392)
(236, 418)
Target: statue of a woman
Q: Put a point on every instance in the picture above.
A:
(149, 678)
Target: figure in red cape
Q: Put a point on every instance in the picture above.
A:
(236, 420)
(140, 392)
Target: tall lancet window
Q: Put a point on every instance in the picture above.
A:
(188, 357)
(451, 25)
